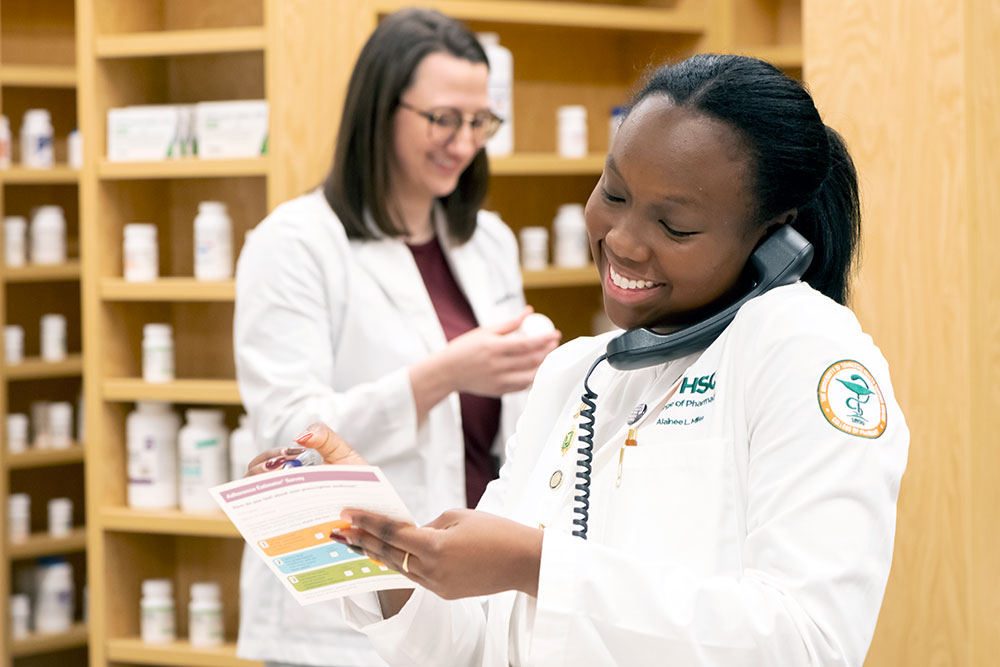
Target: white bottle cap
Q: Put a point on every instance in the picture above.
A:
(157, 331)
(53, 323)
(205, 591)
(15, 223)
(17, 426)
(13, 335)
(153, 407)
(144, 231)
(20, 604)
(488, 38)
(157, 588)
(60, 412)
(216, 207)
(205, 416)
(572, 111)
(37, 116)
(19, 503)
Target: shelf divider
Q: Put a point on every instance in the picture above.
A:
(183, 168)
(561, 277)
(38, 76)
(37, 644)
(59, 174)
(541, 164)
(180, 42)
(166, 522)
(35, 368)
(43, 458)
(38, 273)
(42, 544)
(134, 650)
(168, 289)
(222, 392)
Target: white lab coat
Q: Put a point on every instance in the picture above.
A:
(746, 530)
(325, 330)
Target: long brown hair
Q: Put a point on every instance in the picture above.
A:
(359, 179)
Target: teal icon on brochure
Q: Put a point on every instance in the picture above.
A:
(314, 557)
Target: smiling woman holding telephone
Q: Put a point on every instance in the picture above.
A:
(737, 500)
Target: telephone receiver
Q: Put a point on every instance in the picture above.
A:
(781, 259)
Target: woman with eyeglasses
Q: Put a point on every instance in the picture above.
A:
(386, 303)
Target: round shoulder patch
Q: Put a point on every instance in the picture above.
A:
(851, 399)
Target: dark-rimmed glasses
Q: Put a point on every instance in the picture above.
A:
(444, 123)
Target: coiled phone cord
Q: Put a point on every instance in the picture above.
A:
(586, 454)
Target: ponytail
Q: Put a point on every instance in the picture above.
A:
(831, 222)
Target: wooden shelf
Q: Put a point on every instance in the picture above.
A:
(541, 164)
(41, 544)
(179, 42)
(135, 651)
(38, 273)
(38, 76)
(43, 458)
(222, 392)
(564, 14)
(184, 168)
(784, 56)
(166, 522)
(59, 174)
(37, 644)
(168, 289)
(555, 277)
(34, 368)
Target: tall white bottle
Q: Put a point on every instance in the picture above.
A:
(204, 458)
(241, 449)
(501, 92)
(151, 435)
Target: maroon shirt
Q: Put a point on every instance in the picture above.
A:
(480, 414)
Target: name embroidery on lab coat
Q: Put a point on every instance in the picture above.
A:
(691, 404)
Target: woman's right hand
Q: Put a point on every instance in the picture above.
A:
(318, 436)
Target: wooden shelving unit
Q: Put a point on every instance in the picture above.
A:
(222, 392)
(42, 273)
(166, 522)
(42, 544)
(164, 43)
(184, 168)
(37, 644)
(134, 651)
(38, 70)
(168, 289)
(546, 164)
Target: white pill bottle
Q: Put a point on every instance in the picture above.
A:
(36, 139)
(204, 459)
(156, 621)
(151, 434)
(213, 242)
(205, 627)
(54, 607)
(501, 92)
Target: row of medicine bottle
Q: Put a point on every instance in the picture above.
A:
(47, 236)
(157, 613)
(50, 585)
(60, 516)
(213, 246)
(37, 142)
(171, 466)
(52, 340)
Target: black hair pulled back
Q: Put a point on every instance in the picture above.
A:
(797, 162)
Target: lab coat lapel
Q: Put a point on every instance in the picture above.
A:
(390, 264)
(470, 271)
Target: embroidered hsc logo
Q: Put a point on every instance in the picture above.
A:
(851, 400)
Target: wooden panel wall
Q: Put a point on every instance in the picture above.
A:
(909, 84)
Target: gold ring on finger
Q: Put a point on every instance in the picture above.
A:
(406, 563)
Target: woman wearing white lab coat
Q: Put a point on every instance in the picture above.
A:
(743, 497)
(382, 304)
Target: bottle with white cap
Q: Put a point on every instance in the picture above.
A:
(39, 424)
(36, 139)
(15, 240)
(60, 512)
(13, 343)
(151, 439)
(571, 248)
(17, 433)
(19, 516)
(140, 251)
(60, 425)
(534, 248)
(74, 149)
(572, 130)
(501, 92)
(241, 449)
(204, 458)
(157, 353)
(205, 615)
(48, 235)
(213, 242)
(20, 616)
(55, 604)
(53, 337)
(157, 620)
(5, 141)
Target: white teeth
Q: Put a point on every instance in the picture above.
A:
(626, 283)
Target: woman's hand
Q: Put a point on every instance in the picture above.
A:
(462, 553)
(487, 361)
(318, 436)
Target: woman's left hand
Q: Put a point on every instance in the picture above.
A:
(462, 553)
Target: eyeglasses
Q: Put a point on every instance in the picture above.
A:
(444, 123)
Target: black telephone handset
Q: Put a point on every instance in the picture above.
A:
(781, 259)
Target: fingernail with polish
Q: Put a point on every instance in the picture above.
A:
(337, 537)
(303, 437)
(273, 464)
